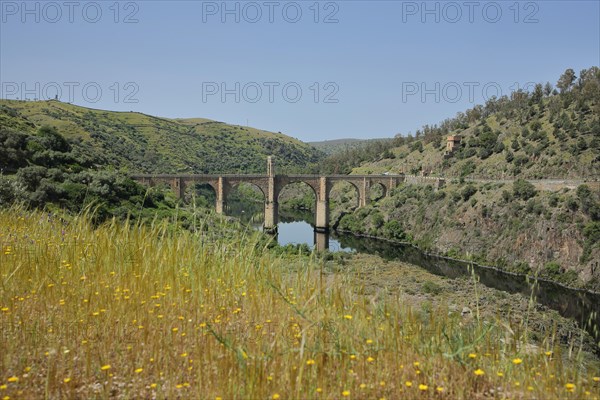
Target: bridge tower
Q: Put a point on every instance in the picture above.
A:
(271, 204)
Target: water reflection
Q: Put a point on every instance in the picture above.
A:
(300, 232)
(582, 306)
(297, 227)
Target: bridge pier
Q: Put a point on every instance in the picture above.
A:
(322, 216)
(322, 209)
(321, 241)
(271, 217)
(363, 193)
(221, 202)
(178, 187)
(271, 200)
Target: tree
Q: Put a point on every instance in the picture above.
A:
(468, 192)
(538, 93)
(547, 89)
(566, 80)
(581, 144)
(12, 149)
(523, 190)
(53, 140)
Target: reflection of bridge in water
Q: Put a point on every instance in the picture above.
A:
(271, 185)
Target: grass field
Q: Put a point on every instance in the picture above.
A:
(151, 311)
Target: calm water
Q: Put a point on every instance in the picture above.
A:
(583, 307)
(299, 232)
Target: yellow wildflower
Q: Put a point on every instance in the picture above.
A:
(570, 387)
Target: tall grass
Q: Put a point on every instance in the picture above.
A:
(131, 310)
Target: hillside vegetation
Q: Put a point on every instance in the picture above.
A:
(546, 133)
(554, 235)
(334, 146)
(136, 142)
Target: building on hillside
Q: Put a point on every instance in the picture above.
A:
(452, 144)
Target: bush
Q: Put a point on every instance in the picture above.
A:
(31, 176)
(467, 169)
(7, 192)
(432, 288)
(393, 230)
(52, 140)
(553, 268)
(523, 190)
(468, 192)
(592, 231)
(534, 207)
(12, 149)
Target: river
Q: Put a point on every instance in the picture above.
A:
(295, 227)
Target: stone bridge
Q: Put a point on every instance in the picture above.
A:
(271, 185)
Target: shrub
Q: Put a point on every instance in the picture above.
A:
(53, 140)
(393, 230)
(523, 190)
(432, 288)
(467, 169)
(552, 269)
(506, 196)
(592, 231)
(468, 192)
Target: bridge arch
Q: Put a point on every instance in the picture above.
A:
(202, 192)
(298, 196)
(236, 186)
(245, 200)
(342, 187)
(377, 191)
(312, 185)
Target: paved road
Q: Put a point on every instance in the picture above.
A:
(546, 184)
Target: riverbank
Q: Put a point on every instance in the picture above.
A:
(515, 228)
(530, 325)
(429, 253)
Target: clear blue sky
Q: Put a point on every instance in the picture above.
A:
(377, 58)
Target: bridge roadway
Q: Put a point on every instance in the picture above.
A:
(271, 185)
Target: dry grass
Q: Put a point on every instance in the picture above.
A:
(138, 311)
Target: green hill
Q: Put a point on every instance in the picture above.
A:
(340, 145)
(136, 142)
(508, 223)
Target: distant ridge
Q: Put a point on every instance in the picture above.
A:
(338, 145)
